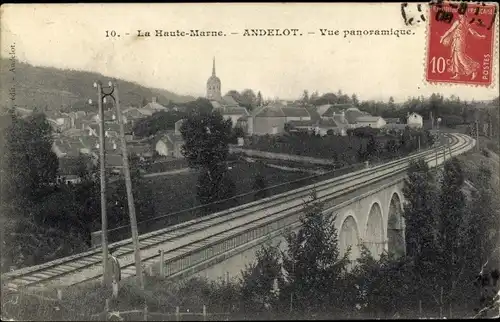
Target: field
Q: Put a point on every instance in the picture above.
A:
(173, 193)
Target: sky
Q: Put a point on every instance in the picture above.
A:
(374, 67)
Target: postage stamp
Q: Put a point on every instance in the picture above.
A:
(461, 40)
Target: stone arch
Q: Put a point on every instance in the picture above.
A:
(374, 233)
(395, 226)
(349, 236)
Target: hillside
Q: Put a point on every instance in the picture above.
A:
(52, 87)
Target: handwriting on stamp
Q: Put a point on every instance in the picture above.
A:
(461, 45)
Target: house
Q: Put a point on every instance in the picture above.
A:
(69, 170)
(66, 147)
(415, 120)
(320, 125)
(170, 143)
(376, 122)
(295, 114)
(237, 115)
(269, 120)
(154, 106)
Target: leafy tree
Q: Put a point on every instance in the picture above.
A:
(305, 97)
(354, 100)
(314, 97)
(452, 233)
(260, 185)
(118, 211)
(392, 147)
(214, 185)
(421, 233)
(313, 265)
(206, 139)
(260, 100)
(248, 98)
(260, 280)
(384, 286)
(373, 149)
(32, 166)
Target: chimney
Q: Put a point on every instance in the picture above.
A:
(153, 99)
(114, 145)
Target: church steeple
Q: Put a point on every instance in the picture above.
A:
(214, 85)
(213, 68)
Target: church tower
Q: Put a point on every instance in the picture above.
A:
(214, 86)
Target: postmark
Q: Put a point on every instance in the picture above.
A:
(461, 42)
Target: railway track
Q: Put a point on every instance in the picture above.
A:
(181, 238)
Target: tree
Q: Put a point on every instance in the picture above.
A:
(260, 100)
(206, 138)
(32, 166)
(314, 97)
(260, 185)
(248, 98)
(260, 280)
(313, 265)
(384, 286)
(452, 233)
(373, 148)
(354, 100)
(422, 227)
(305, 97)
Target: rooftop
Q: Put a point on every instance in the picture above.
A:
(295, 112)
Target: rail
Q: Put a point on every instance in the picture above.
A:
(229, 223)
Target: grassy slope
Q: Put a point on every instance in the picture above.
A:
(471, 162)
(177, 192)
(40, 86)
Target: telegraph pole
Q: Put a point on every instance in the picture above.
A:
(102, 157)
(130, 196)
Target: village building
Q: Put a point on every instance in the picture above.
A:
(170, 143)
(415, 120)
(376, 122)
(271, 119)
(154, 106)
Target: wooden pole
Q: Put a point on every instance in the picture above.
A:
(177, 314)
(145, 312)
(420, 308)
(204, 312)
(102, 160)
(59, 294)
(162, 263)
(130, 196)
(106, 309)
(441, 304)
(451, 316)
